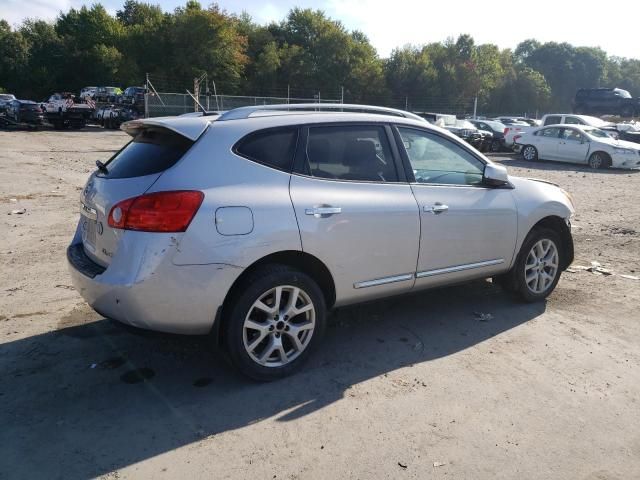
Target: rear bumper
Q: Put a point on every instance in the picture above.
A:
(152, 294)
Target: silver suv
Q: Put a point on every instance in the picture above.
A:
(253, 223)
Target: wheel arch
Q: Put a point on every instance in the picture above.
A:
(303, 261)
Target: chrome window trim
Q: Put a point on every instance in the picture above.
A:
(459, 268)
(384, 281)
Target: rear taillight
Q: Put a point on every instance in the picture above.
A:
(506, 129)
(157, 212)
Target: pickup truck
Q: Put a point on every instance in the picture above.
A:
(511, 131)
(62, 111)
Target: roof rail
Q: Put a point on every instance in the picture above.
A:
(245, 112)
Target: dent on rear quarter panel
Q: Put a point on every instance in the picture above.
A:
(228, 180)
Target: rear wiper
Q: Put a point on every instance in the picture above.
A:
(102, 167)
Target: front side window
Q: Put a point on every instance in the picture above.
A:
(274, 148)
(435, 159)
(572, 135)
(359, 153)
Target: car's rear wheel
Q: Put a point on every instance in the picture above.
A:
(537, 269)
(495, 146)
(273, 322)
(599, 160)
(530, 153)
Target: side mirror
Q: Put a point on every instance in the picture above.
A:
(495, 175)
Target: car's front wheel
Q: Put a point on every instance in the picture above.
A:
(537, 269)
(273, 322)
(530, 153)
(599, 160)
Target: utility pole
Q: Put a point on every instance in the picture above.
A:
(288, 94)
(406, 103)
(475, 107)
(146, 96)
(342, 94)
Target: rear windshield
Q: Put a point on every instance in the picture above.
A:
(153, 150)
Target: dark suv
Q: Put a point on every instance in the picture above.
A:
(612, 101)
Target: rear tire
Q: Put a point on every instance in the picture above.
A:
(496, 146)
(261, 325)
(530, 153)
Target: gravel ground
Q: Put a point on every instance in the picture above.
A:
(412, 387)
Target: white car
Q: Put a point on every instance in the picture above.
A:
(511, 131)
(578, 144)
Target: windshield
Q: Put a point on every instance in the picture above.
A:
(596, 132)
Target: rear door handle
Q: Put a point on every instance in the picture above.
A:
(321, 211)
(436, 209)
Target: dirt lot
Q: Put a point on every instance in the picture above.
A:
(414, 387)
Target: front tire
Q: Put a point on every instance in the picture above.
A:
(496, 146)
(537, 269)
(530, 153)
(599, 160)
(273, 322)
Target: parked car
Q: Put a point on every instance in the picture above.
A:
(107, 94)
(554, 119)
(627, 131)
(519, 121)
(251, 226)
(25, 111)
(469, 133)
(5, 98)
(497, 131)
(88, 93)
(579, 144)
(612, 101)
(112, 117)
(133, 96)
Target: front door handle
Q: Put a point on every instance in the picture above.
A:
(319, 212)
(436, 209)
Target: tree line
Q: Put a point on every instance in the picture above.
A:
(307, 51)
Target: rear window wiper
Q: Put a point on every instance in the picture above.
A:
(102, 167)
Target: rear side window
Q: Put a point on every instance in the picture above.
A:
(274, 148)
(553, 120)
(359, 153)
(153, 150)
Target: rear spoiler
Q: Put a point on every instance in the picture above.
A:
(188, 127)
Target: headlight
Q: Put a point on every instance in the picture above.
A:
(624, 151)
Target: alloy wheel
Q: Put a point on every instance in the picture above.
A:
(529, 153)
(279, 326)
(541, 267)
(595, 161)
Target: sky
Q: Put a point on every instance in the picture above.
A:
(390, 24)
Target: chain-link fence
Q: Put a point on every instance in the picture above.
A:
(166, 104)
